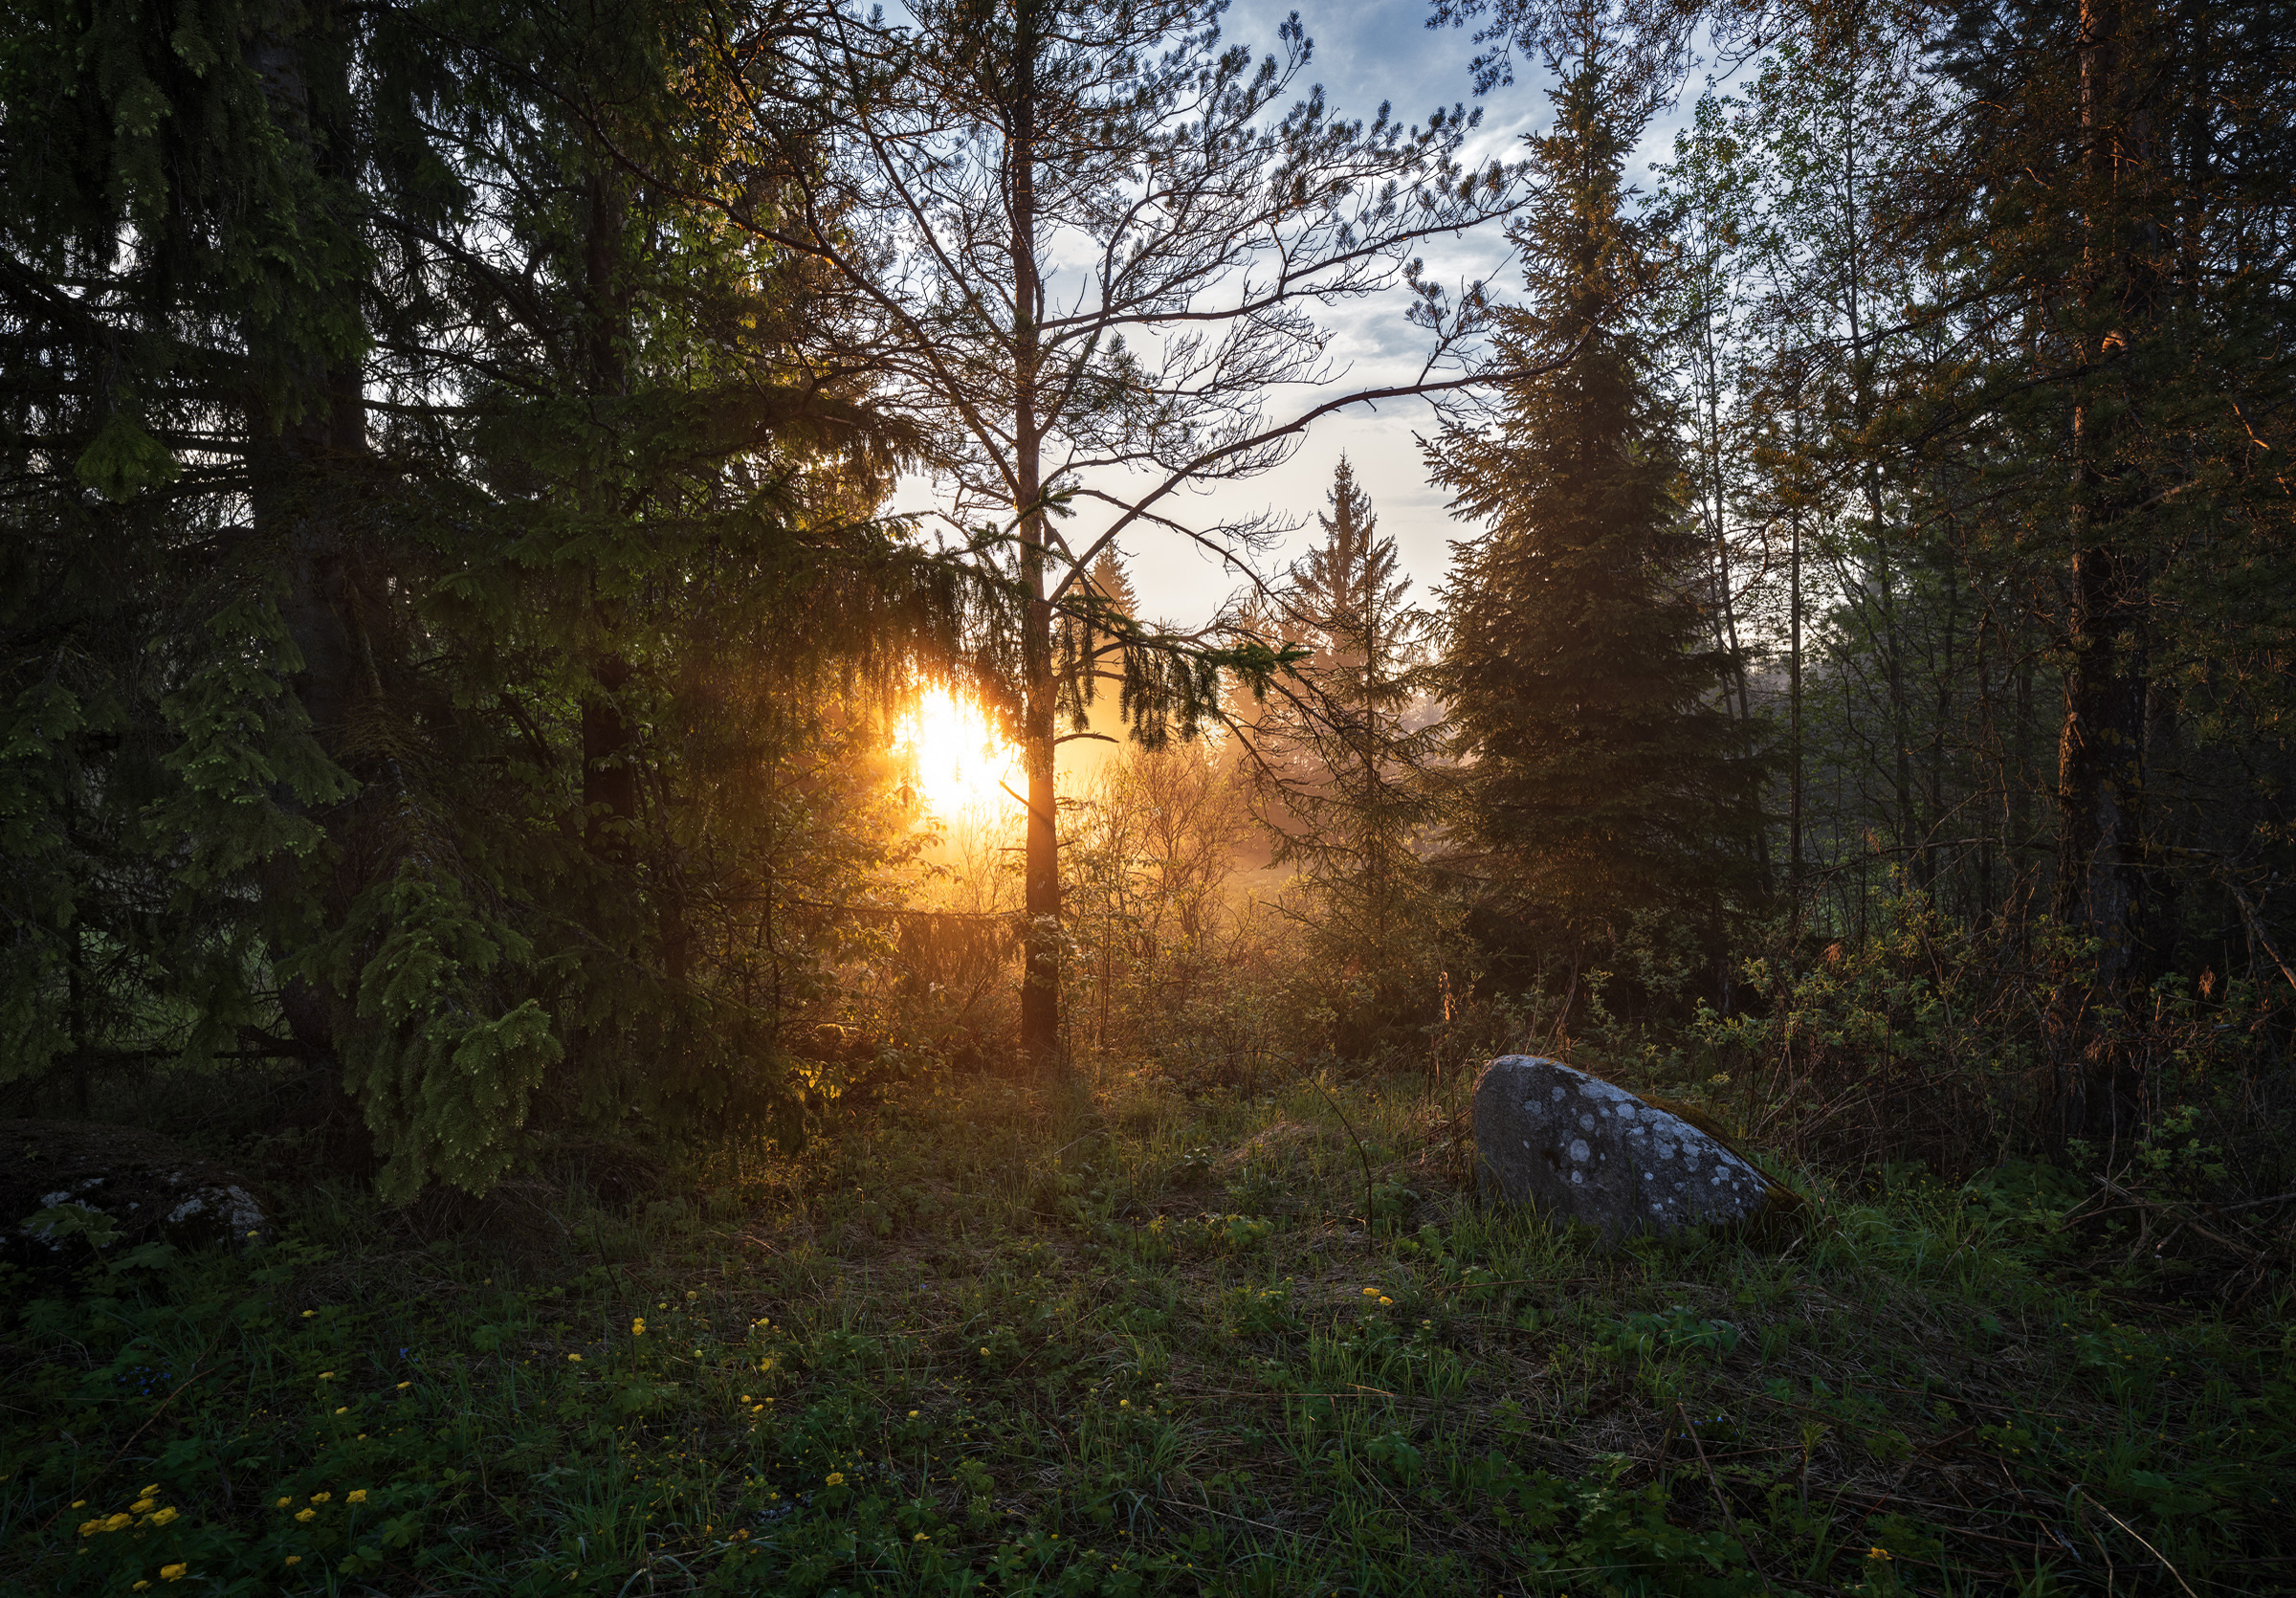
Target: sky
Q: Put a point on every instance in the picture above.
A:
(1363, 55)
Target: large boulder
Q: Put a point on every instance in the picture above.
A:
(1581, 1148)
(70, 1190)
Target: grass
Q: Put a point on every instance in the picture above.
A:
(1131, 1344)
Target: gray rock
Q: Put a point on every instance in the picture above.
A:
(71, 1191)
(1585, 1150)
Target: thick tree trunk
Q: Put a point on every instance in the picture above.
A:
(300, 500)
(2102, 746)
(610, 779)
(609, 776)
(2099, 765)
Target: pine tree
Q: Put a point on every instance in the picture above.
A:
(977, 149)
(1601, 776)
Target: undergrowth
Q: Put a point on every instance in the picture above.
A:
(1131, 1344)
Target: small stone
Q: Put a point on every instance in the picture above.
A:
(1575, 1145)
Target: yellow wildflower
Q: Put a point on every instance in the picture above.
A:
(309, 1313)
(357, 1495)
(149, 1492)
(320, 1497)
(836, 1478)
(138, 1587)
(1877, 1553)
(142, 1506)
(282, 1504)
(404, 1385)
(167, 1516)
(172, 1572)
(116, 1523)
(326, 1376)
(920, 1537)
(637, 1326)
(576, 1358)
(294, 1560)
(1371, 1293)
(89, 1528)
(306, 1514)
(1384, 1300)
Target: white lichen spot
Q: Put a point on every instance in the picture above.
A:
(244, 1211)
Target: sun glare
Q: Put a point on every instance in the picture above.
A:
(962, 763)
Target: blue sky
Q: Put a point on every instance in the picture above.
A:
(1363, 55)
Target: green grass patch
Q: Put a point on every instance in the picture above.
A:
(1130, 1344)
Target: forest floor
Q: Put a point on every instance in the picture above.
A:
(1130, 1342)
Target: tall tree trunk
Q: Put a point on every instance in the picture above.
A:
(1794, 792)
(299, 498)
(2100, 764)
(2101, 747)
(609, 777)
(1040, 937)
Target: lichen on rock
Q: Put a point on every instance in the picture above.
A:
(1589, 1152)
(72, 1189)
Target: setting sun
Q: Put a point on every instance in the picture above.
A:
(963, 761)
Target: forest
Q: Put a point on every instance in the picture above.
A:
(635, 959)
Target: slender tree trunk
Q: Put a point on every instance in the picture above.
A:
(1794, 799)
(1987, 744)
(1941, 725)
(1040, 938)
(2022, 761)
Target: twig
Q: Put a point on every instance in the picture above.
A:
(1721, 1499)
(2140, 1541)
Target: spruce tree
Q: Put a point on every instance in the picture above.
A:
(421, 536)
(1334, 767)
(1601, 776)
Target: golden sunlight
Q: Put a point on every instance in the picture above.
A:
(964, 762)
